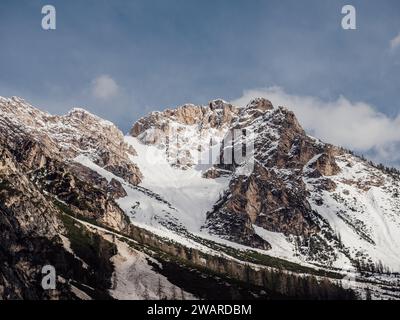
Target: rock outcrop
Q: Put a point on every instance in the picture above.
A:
(272, 195)
(77, 133)
(31, 237)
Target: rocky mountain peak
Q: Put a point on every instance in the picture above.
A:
(84, 115)
(68, 136)
(217, 104)
(189, 127)
(260, 103)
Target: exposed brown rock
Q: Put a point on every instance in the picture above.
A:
(259, 104)
(325, 165)
(274, 196)
(116, 190)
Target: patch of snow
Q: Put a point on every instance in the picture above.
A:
(281, 247)
(135, 279)
(67, 247)
(186, 190)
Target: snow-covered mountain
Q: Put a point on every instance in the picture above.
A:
(176, 194)
(329, 206)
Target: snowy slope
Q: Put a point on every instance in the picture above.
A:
(173, 203)
(363, 210)
(186, 190)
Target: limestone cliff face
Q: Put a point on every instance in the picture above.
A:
(46, 146)
(86, 193)
(30, 235)
(19, 194)
(40, 183)
(78, 133)
(272, 195)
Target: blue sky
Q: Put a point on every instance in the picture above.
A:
(153, 54)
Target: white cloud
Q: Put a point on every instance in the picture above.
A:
(104, 87)
(354, 125)
(395, 42)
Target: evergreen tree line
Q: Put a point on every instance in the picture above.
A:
(369, 267)
(389, 170)
(305, 287)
